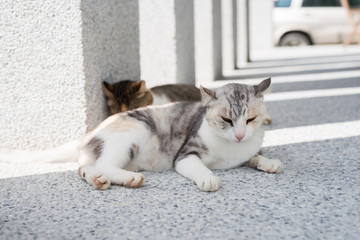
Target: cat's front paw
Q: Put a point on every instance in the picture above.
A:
(101, 182)
(270, 166)
(209, 183)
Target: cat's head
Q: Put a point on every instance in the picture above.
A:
(126, 95)
(235, 111)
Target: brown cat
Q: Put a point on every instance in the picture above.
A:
(128, 95)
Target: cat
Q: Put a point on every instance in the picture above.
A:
(129, 95)
(222, 131)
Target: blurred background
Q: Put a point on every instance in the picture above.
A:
(310, 22)
(314, 26)
(275, 38)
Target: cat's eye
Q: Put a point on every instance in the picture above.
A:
(250, 120)
(227, 120)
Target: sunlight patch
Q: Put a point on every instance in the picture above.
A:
(298, 78)
(20, 170)
(282, 96)
(311, 133)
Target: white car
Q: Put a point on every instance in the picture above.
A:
(307, 22)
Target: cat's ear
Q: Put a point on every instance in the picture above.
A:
(261, 87)
(107, 87)
(207, 95)
(139, 86)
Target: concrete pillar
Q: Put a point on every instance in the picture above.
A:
(184, 17)
(228, 24)
(42, 79)
(242, 33)
(53, 56)
(208, 49)
(110, 38)
(166, 41)
(260, 28)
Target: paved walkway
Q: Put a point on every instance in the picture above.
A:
(316, 197)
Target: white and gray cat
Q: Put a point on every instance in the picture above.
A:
(222, 131)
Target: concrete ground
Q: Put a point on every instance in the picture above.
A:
(317, 196)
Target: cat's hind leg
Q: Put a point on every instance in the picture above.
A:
(265, 164)
(192, 168)
(89, 172)
(112, 147)
(94, 177)
(102, 176)
(105, 168)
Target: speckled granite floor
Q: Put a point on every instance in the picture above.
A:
(316, 197)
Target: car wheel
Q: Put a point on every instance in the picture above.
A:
(295, 39)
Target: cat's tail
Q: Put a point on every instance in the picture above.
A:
(67, 152)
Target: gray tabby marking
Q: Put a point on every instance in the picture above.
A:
(195, 146)
(96, 145)
(144, 116)
(133, 151)
(238, 99)
(177, 126)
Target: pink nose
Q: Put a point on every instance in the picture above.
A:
(239, 137)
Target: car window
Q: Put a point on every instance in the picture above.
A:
(282, 3)
(321, 3)
(354, 3)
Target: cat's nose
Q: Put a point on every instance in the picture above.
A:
(239, 136)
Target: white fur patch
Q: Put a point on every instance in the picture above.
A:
(160, 99)
(224, 154)
(192, 168)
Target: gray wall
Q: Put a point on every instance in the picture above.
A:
(42, 78)
(208, 40)
(53, 56)
(260, 29)
(166, 41)
(110, 37)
